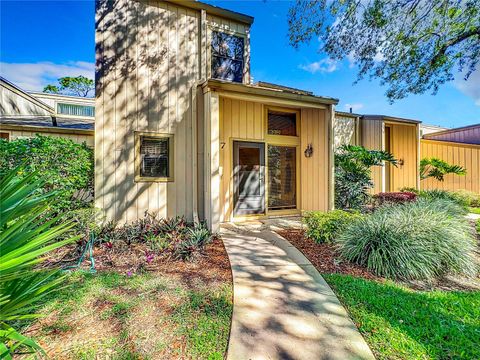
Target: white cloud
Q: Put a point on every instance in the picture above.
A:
(355, 107)
(323, 66)
(471, 87)
(34, 76)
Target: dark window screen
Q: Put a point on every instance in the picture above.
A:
(281, 123)
(227, 57)
(282, 177)
(154, 153)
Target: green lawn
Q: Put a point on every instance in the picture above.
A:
(399, 323)
(144, 316)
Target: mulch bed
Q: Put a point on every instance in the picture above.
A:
(327, 261)
(323, 256)
(212, 264)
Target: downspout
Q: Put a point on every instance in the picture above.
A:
(202, 58)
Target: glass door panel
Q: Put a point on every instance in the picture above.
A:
(282, 177)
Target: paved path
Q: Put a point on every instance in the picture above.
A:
(283, 309)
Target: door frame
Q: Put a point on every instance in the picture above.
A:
(264, 204)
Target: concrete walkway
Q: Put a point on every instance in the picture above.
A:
(283, 308)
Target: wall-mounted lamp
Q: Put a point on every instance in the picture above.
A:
(308, 151)
(400, 162)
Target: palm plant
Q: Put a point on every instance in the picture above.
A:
(353, 175)
(25, 236)
(437, 169)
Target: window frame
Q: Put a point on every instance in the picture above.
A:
(213, 29)
(138, 158)
(286, 139)
(60, 103)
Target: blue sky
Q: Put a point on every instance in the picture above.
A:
(44, 40)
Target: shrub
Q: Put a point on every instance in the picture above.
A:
(353, 176)
(394, 197)
(197, 238)
(470, 198)
(417, 240)
(25, 236)
(437, 194)
(325, 227)
(62, 164)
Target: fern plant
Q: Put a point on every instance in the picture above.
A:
(437, 169)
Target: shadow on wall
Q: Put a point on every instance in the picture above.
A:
(143, 79)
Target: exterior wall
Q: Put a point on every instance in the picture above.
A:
(245, 120)
(464, 155)
(23, 133)
(404, 146)
(13, 104)
(345, 130)
(149, 59)
(314, 171)
(372, 138)
(426, 129)
(467, 135)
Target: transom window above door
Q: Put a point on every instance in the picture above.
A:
(227, 56)
(282, 122)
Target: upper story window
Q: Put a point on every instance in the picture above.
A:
(227, 57)
(76, 110)
(282, 123)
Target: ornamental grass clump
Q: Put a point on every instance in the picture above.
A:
(416, 240)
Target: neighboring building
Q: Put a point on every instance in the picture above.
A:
(346, 128)
(426, 129)
(398, 136)
(180, 129)
(466, 135)
(459, 146)
(24, 114)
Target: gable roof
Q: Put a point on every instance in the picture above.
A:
(18, 91)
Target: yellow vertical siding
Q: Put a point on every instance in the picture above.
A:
(465, 155)
(404, 146)
(314, 170)
(372, 139)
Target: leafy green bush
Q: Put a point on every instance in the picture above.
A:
(325, 227)
(416, 240)
(63, 165)
(451, 196)
(470, 198)
(25, 236)
(353, 176)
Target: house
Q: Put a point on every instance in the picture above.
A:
(396, 135)
(180, 130)
(426, 129)
(466, 135)
(459, 146)
(24, 114)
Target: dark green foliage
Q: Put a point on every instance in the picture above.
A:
(325, 227)
(79, 86)
(410, 46)
(25, 237)
(437, 169)
(64, 166)
(416, 240)
(353, 176)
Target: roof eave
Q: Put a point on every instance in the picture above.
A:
(265, 92)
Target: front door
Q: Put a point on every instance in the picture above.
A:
(249, 177)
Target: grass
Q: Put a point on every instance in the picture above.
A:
(474, 210)
(399, 323)
(144, 316)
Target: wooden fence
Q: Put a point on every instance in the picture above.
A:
(465, 155)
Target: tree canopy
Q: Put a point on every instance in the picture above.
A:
(412, 46)
(79, 86)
